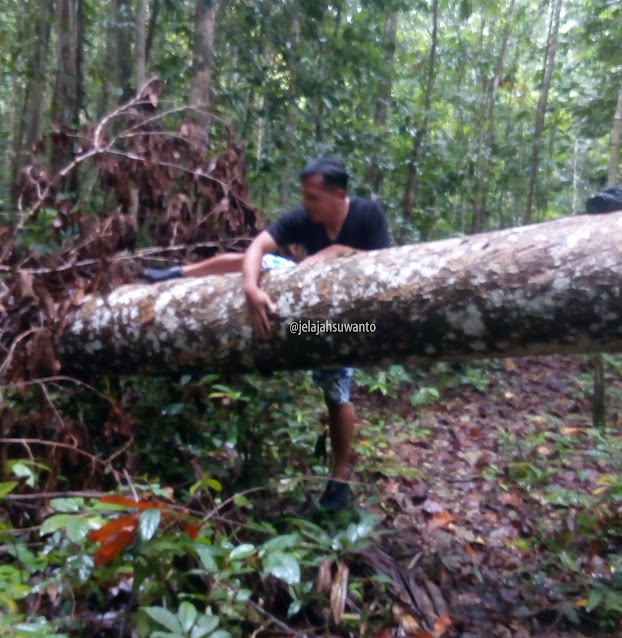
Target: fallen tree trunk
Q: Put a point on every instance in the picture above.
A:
(549, 288)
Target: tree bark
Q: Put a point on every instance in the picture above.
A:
(599, 404)
(614, 145)
(125, 29)
(140, 45)
(479, 201)
(381, 111)
(205, 20)
(153, 22)
(37, 70)
(290, 108)
(412, 182)
(64, 111)
(548, 288)
(549, 64)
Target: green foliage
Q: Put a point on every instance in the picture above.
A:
(170, 571)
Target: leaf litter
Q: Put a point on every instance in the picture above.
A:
(474, 526)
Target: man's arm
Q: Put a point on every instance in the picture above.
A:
(258, 302)
(331, 252)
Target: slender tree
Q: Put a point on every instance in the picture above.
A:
(205, 23)
(549, 64)
(614, 144)
(64, 109)
(125, 66)
(292, 94)
(141, 50)
(599, 404)
(381, 110)
(422, 129)
(485, 155)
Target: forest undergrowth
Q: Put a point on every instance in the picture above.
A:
(484, 504)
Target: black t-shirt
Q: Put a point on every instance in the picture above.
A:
(364, 228)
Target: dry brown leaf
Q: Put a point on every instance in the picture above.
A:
(441, 626)
(25, 285)
(571, 431)
(323, 580)
(339, 592)
(512, 499)
(410, 625)
(441, 520)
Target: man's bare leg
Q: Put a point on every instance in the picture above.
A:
(341, 426)
(218, 265)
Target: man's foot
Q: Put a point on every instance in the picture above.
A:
(336, 496)
(153, 275)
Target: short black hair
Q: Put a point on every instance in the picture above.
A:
(333, 171)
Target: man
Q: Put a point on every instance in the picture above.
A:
(329, 224)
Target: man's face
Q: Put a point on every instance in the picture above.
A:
(321, 203)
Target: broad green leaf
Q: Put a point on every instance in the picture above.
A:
(23, 471)
(56, 522)
(365, 526)
(66, 504)
(205, 555)
(242, 551)
(164, 617)
(77, 528)
(187, 614)
(7, 487)
(352, 533)
(166, 634)
(148, 523)
(205, 624)
(221, 633)
(283, 566)
(241, 501)
(280, 543)
(594, 599)
(204, 483)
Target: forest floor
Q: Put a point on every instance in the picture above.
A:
(494, 517)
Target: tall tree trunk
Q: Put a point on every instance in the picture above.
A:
(125, 66)
(412, 182)
(292, 96)
(549, 64)
(479, 201)
(111, 84)
(153, 22)
(37, 70)
(204, 27)
(614, 144)
(381, 111)
(141, 44)
(64, 109)
(599, 404)
(548, 288)
(28, 126)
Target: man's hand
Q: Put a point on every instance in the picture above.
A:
(331, 252)
(259, 303)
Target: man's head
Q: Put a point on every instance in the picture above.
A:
(323, 188)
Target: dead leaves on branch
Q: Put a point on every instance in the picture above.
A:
(152, 173)
(163, 183)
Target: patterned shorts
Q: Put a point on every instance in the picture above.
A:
(271, 262)
(336, 382)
